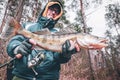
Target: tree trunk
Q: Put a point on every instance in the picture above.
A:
(4, 18)
(86, 51)
(83, 16)
(19, 10)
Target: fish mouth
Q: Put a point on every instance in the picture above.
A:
(103, 40)
(99, 45)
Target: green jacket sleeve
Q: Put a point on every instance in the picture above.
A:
(60, 58)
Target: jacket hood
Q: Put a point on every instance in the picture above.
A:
(57, 4)
(52, 3)
(49, 23)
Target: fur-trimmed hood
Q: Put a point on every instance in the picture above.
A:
(51, 3)
(49, 23)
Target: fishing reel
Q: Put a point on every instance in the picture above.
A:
(36, 60)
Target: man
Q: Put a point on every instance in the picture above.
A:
(22, 48)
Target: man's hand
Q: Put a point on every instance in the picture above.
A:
(69, 48)
(23, 49)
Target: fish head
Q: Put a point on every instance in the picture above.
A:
(92, 42)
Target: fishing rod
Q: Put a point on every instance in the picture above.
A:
(7, 63)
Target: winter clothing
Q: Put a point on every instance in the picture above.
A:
(49, 68)
(24, 48)
(66, 49)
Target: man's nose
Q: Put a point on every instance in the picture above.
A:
(53, 12)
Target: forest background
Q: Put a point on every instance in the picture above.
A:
(87, 64)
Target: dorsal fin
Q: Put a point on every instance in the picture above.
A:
(66, 30)
(44, 31)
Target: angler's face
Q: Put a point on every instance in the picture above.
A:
(52, 12)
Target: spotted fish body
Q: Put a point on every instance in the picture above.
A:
(54, 42)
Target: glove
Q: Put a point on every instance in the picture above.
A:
(24, 48)
(67, 49)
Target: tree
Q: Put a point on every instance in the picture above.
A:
(113, 16)
(113, 21)
(87, 64)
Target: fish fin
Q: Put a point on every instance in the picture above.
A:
(66, 30)
(11, 27)
(44, 31)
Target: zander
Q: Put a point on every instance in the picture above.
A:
(54, 42)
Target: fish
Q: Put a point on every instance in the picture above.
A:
(55, 41)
